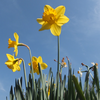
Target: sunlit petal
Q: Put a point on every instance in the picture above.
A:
(10, 66)
(16, 37)
(18, 68)
(38, 72)
(45, 26)
(10, 57)
(44, 66)
(55, 30)
(29, 64)
(34, 58)
(46, 7)
(8, 63)
(14, 69)
(39, 59)
(40, 21)
(60, 10)
(16, 50)
(62, 20)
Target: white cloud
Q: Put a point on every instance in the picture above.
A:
(90, 23)
(2, 88)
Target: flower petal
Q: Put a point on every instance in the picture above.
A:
(18, 62)
(10, 57)
(16, 50)
(55, 29)
(62, 20)
(93, 63)
(38, 72)
(60, 10)
(46, 7)
(11, 43)
(16, 37)
(44, 66)
(10, 67)
(9, 62)
(40, 21)
(34, 58)
(39, 60)
(29, 64)
(16, 67)
(45, 26)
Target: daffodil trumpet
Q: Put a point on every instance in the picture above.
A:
(15, 44)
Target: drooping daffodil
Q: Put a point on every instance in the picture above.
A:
(35, 62)
(13, 63)
(53, 19)
(14, 43)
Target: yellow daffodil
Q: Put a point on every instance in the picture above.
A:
(13, 63)
(49, 90)
(35, 62)
(53, 19)
(14, 43)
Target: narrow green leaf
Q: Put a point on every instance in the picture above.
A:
(96, 80)
(11, 94)
(78, 88)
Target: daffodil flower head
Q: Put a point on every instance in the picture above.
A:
(14, 43)
(93, 65)
(13, 63)
(53, 19)
(63, 63)
(35, 62)
(80, 72)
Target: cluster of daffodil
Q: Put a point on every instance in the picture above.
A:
(51, 89)
(52, 19)
(88, 69)
(13, 63)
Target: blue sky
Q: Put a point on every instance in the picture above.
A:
(79, 39)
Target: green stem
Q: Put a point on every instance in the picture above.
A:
(31, 67)
(24, 71)
(58, 71)
(32, 74)
(58, 54)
